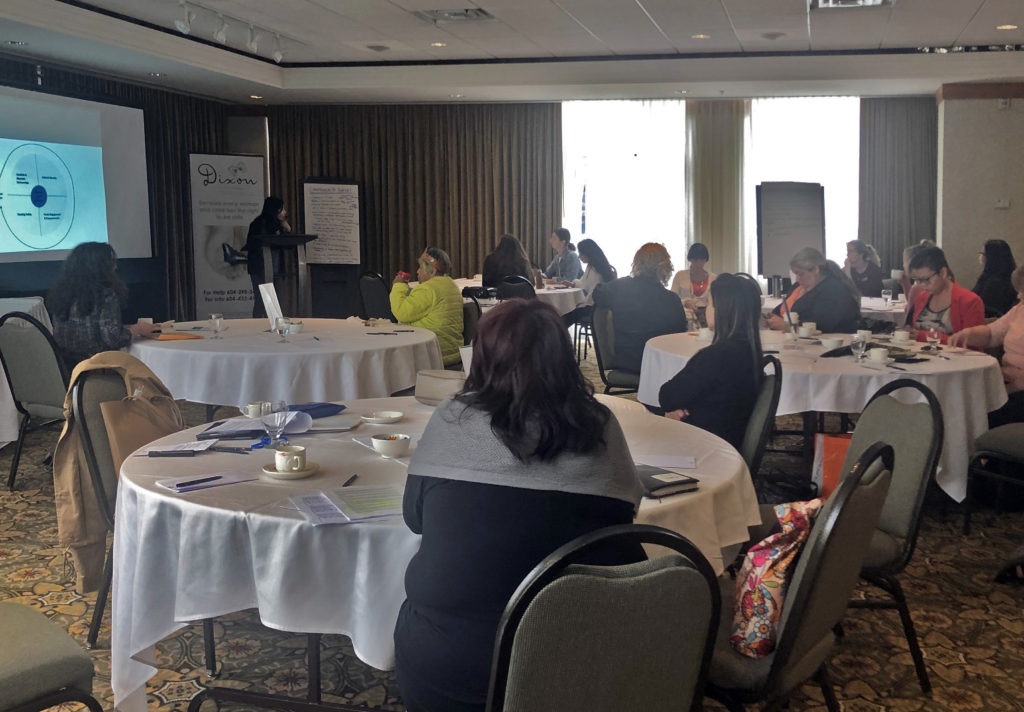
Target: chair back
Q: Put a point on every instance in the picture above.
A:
(608, 638)
(891, 284)
(470, 316)
(916, 444)
(828, 568)
(603, 325)
(374, 293)
(36, 373)
(92, 388)
(762, 417)
(516, 285)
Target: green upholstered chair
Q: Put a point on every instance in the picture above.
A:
(762, 417)
(42, 666)
(916, 445)
(608, 638)
(995, 452)
(819, 589)
(36, 374)
(621, 381)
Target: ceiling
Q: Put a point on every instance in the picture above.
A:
(534, 50)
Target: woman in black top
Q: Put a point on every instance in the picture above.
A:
(508, 258)
(864, 268)
(717, 388)
(503, 476)
(272, 221)
(993, 286)
(827, 296)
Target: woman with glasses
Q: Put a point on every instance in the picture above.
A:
(435, 303)
(942, 304)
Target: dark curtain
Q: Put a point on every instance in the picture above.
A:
(453, 176)
(176, 125)
(898, 174)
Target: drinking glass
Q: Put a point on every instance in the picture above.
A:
(217, 324)
(275, 417)
(281, 325)
(886, 297)
(934, 336)
(858, 345)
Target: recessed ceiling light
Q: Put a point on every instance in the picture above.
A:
(16, 43)
(1006, 27)
(255, 96)
(456, 96)
(377, 48)
(701, 36)
(156, 75)
(438, 44)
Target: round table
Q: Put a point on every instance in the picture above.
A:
(563, 299)
(968, 385)
(186, 557)
(870, 307)
(332, 359)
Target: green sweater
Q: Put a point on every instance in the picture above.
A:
(436, 305)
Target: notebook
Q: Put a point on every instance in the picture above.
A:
(661, 483)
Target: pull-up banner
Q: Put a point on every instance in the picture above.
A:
(227, 195)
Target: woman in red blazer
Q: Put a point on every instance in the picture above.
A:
(942, 303)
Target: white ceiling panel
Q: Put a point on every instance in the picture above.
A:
(929, 23)
(848, 28)
(982, 28)
(621, 26)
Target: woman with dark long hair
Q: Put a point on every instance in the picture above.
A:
(509, 258)
(994, 285)
(523, 460)
(598, 271)
(566, 265)
(272, 220)
(717, 388)
(85, 305)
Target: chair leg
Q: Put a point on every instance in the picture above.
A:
(209, 648)
(16, 457)
(825, 683)
(911, 634)
(101, 600)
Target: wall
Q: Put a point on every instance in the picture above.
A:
(981, 161)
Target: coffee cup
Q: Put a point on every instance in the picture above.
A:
(794, 318)
(900, 337)
(864, 334)
(290, 458)
(832, 342)
(901, 298)
(704, 334)
(879, 355)
(252, 410)
(805, 331)
(812, 326)
(896, 274)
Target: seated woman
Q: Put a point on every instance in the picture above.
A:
(864, 268)
(906, 286)
(85, 305)
(598, 271)
(828, 297)
(641, 306)
(1008, 332)
(994, 285)
(435, 303)
(942, 304)
(692, 284)
(508, 258)
(717, 388)
(502, 476)
(566, 265)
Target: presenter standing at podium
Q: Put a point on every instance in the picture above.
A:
(272, 221)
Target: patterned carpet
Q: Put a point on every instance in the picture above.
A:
(971, 629)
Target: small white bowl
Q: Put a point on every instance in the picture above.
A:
(295, 327)
(391, 444)
(831, 343)
(382, 417)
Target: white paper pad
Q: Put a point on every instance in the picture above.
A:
(370, 502)
(194, 446)
(318, 509)
(297, 423)
(270, 303)
(223, 478)
(682, 462)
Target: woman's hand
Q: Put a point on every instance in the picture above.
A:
(680, 414)
(143, 329)
(690, 304)
(777, 323)
(401, 277)
(960, 338)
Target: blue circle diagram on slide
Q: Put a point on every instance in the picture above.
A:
(37, 196)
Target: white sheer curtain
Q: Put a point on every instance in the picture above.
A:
(629, 158)
(810, 140)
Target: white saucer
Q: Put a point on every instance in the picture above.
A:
(382, 417)
(272, 471)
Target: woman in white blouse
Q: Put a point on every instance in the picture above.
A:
(691, 285)
(598, 271)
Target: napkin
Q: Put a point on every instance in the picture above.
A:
(318, 410)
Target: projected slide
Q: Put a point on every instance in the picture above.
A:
(51, 195)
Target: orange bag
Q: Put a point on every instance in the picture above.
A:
(829, 453)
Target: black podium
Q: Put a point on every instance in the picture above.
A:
(303, 295)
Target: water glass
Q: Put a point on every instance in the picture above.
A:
(858, 346)
(217, 324)
(281, 325)
(886, 297)
(934, 336)
(274, 418)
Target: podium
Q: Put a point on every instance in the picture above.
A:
(303, 294)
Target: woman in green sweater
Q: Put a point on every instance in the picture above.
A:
(435, 303)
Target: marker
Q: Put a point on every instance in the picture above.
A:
(201, 481)
(350, 480)
(239, 450)
(172, 453)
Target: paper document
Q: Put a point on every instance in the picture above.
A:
(682, 462)
(197, 482)
(370, 502)
(194, 446)
(318, 509)
(270, 303)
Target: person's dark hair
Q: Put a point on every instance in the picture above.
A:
(911, 252)
(808, 258)
(442, 264)
(271, 207)
(510, 248)
(596, 259)
(88, 273)
(932, 258)
(565, 237)
(999, 260)
(525, 377)
(698, 251)
(737, 302)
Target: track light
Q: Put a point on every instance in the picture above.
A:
(253, 42)
(184, 23)
(278, 55)
(221, 35)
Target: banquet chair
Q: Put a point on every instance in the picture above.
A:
(603, 638)
(604, 348)
(998, 456)
(819, 589)
(36, 374)
(515, 286)
(43, 667)
(762, 417)
(470, 316)
(916, 445)
(374, 293)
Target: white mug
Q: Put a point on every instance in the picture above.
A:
(813, 326)
(902, 298)
(290, 458)
(900, 337)
(864, 334)
(704, 334)
(793, 317)
(833, 342)
(253, 410)
(879, 355)
(805, 331)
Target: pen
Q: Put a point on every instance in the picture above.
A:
(172, 453)
(316, 338)
(200, 481)
(239, 450)
(350, 480)
(404, 330)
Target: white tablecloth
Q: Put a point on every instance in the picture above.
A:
(332, 359)
(10, 420)
(181, 558)
(870, 307)
(968, 386)
(563, 299)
